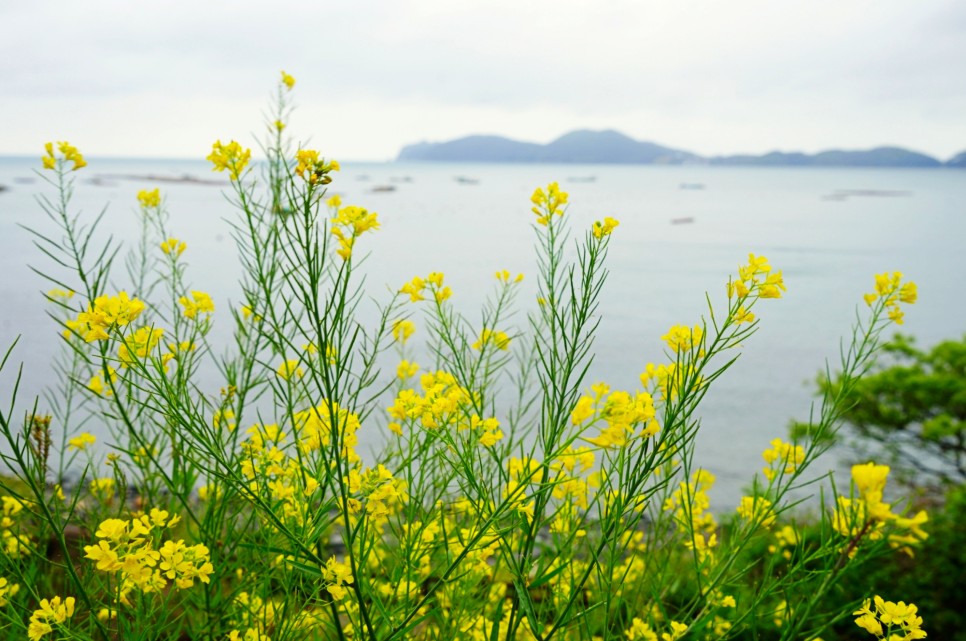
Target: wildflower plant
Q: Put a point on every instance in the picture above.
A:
(513, 499)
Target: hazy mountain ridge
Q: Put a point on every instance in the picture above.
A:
(609, 146)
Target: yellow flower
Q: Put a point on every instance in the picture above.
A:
(288, 80)
(334, 202)
(82, 441)
(173, 247)
(498, 339)
(69, 153)
(106, 312)
(103, 488)
(7, 590)
(894, 615)
(149, 198)
(773, 286)
(788, 456)
(357, 218)
(199, 302)
(605, 228)
(338, 575)
(414, 288)
(908, 293)
(289, 369)
(97, 382)
(756, 509)
(742, 315)
(52, 612)
(682, 338)
(279, 125)
(60, 294)
(406, 370)
(504, 276)
(402, 330)
(231, 157)
(313, 169)
(546, 204)
(139, 345)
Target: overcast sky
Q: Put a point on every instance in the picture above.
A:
(165, 78)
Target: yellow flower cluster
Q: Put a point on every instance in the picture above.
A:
(402, 330)
(690, 506)
(14, 545)
(173, 247)
(51, 612)
(338, 575)
(641, 631)
(289, 369)
(82, 441)
(69, 153)
(434, 282)
(315, 428)
(98, 382)
(271, 471)
(377, 490)
(406, 369)
(356, 222)
(785, 537)
(758, 510)
(892, 291)
(572, 489)
(504, 277)
(601, 229)
(312, 168)
(7, 591)
(443, 402)
(756, 279)
(60, 294)
(867, 514)
(489, 336)
(488, 430)
(232, 157)
(138, 345)
(105, 313)
(130, 548)
(103, 489)
(200, 302)
(621, 412)
(896, 617)
(681, 338)
(782, 458)
(288, 81)
(149, 199)
(667, 380)
(547, 203)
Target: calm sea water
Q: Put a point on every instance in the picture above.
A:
(829, 230)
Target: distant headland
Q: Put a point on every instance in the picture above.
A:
(608, 146)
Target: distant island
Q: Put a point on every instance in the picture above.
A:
(609, 146)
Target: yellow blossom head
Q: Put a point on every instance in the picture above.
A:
(232, 157)
(601, 229)
(148, 199)
(68, 153)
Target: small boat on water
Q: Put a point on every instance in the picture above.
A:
(383, 188)
(682, 220)
(691, 186)
(463, 180)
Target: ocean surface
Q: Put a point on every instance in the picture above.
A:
(683, 230)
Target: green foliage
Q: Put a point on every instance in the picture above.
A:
(912, 408)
